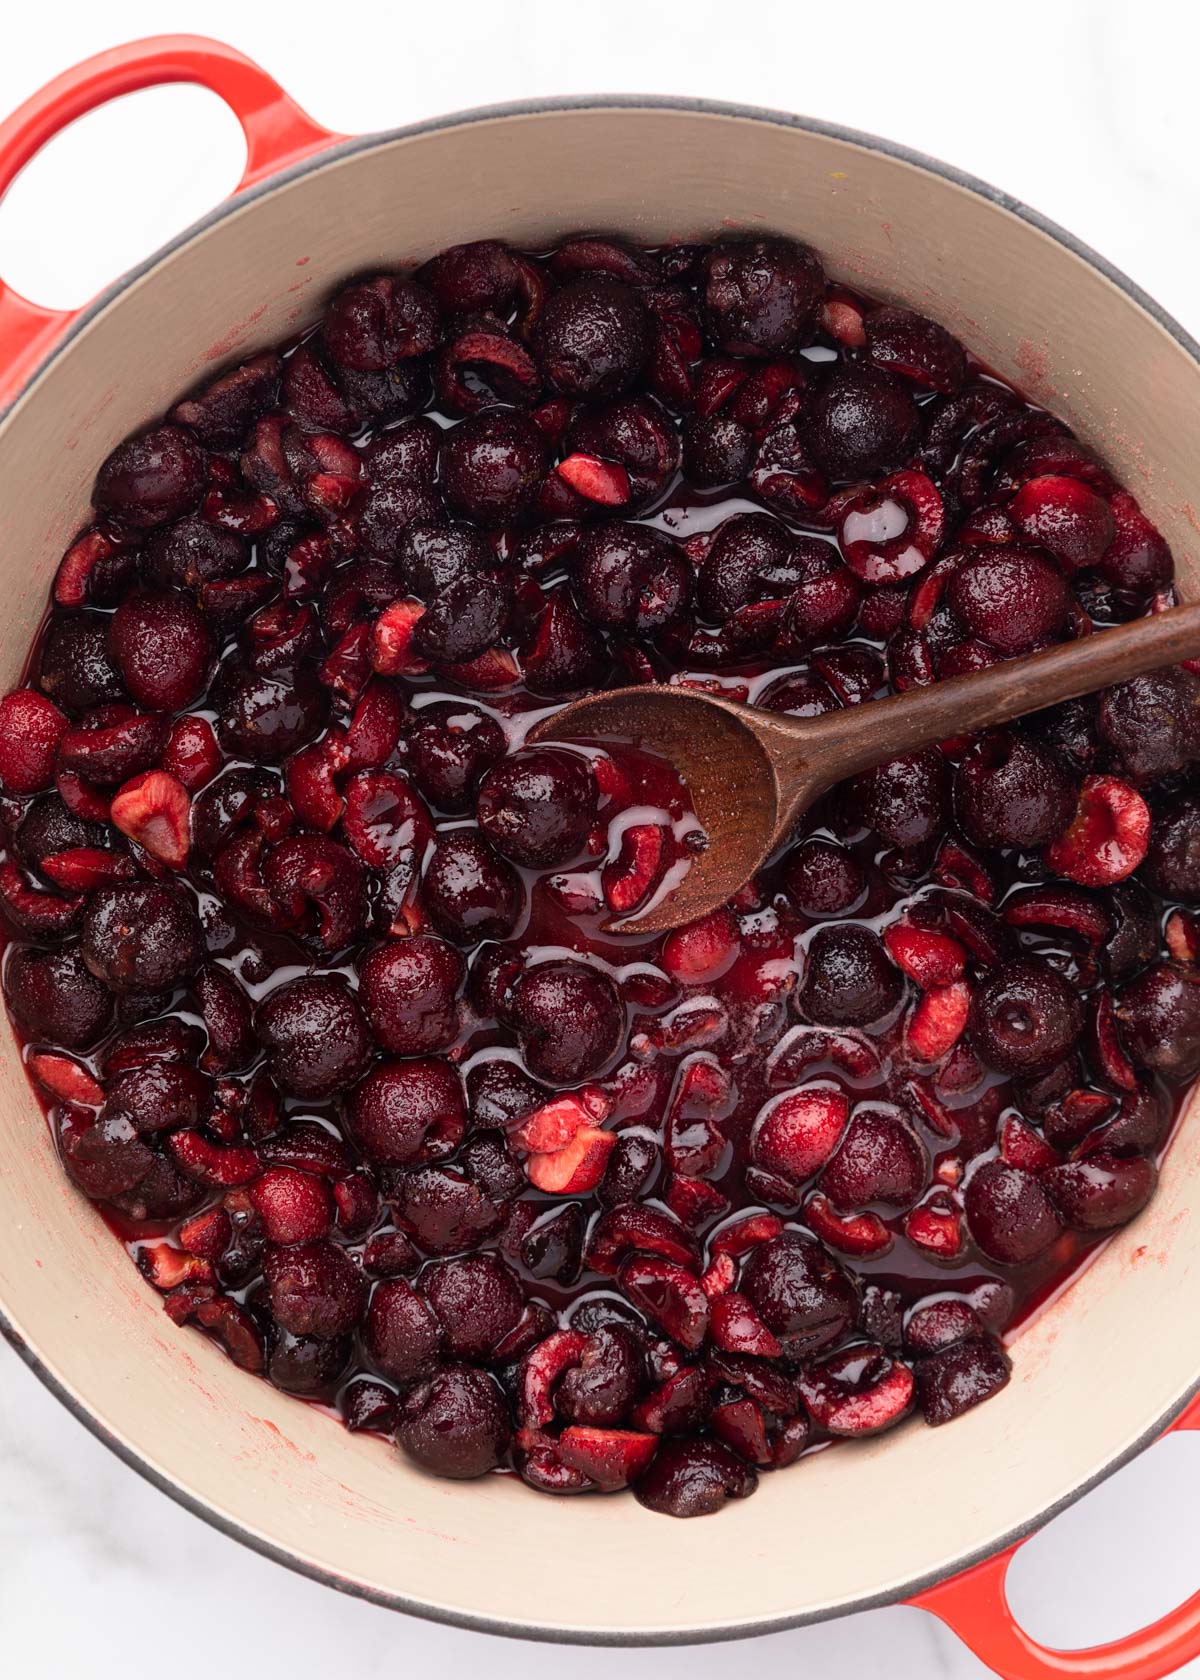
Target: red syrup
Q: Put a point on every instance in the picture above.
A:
(389, 1109)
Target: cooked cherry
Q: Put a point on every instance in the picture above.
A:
(306, 1365)
(400, 1333)
(456, 1424)
(906, 800)
(1010, 1215)
(1151, 723)
(1159, 1014)
(761, 296)
(916, 348)
(315, 1288)
(76, 668)
(538, 807)
(370, 324)
(1008, 791)
(823, 878)
(408, 1111)
(151, 479)
(848, 979)
(570, 1020)
(55, 996)
(1012, 598)
(864, 422)
(955, 1378)
(139, 937)
(476, 1299)
(717, 451)
(752, 558)
(191, 553)
(592, 337)
(451, 747)
(1173, 859)
(1025, 1017)
(471, 891)
(407, 990)
(222, 411)
(628, 577)
(315, 1035)
(694, 1479)
(268, 718)
(492, 464)
(800, 1293)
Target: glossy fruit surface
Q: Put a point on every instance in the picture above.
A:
(313, 956)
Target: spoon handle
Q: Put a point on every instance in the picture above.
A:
(863, 736)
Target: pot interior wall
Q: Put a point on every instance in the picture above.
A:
(857, 1523)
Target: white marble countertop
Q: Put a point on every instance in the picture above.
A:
(1086, 111)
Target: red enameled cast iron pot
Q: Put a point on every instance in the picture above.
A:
(277, 1474)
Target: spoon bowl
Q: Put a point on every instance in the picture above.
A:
(751, 774)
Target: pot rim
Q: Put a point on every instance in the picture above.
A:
(75, 1404)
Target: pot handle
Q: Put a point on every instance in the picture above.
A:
(278, 133)
(975, 1606)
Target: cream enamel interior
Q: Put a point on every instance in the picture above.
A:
(493, 1552)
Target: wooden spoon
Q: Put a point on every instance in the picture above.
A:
(752, 773)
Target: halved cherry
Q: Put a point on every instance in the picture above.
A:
(1182, 935)
(694, 1201)
(168, 1267)
(736, 1327)
(554, 1124)
(669, 1295)
(612, 1458)
(207, 1234)
(741, 1425)
(34, 913)
(634, 1228)
(1059, 907)
(577, 1167)
(935, 1228)
(375, 725)
(678, 1404)
(638, 867)
(1107, 1049)
(748, 1231)
(492, 671)
(540, 1371)
(889, 532)
(857, 1392)
(392, 652)
(1062, 515)
(720, 1276)
(796, 1133)
(1108, 836)
(938, 1021)
(596, 480)
(191, 754)
(213, 1163)
(854, 1233)
(154, 810)
(72, 581)
(65, 1078)
(929, 958)
(84, 868)
(1021, 1146)
(700, 952)
(802, 1050)
(957, 866)
(310, 774)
